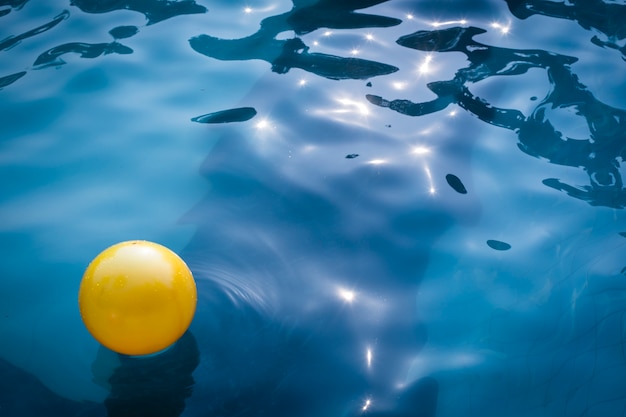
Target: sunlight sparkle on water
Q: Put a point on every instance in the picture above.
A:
(366, 405)
(421, 150)
(424, 68)
(347, 295)
(398, 85)
(263, 124)
(504, 29)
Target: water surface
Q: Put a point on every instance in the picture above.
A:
(394, 208)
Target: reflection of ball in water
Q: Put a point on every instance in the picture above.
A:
(137, 297)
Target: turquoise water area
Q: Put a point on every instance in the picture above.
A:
(391, 208)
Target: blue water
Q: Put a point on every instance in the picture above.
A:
(391, 208)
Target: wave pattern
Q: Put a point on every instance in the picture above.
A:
(599, 155)
(310, 250)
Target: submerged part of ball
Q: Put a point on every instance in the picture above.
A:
(137, 297)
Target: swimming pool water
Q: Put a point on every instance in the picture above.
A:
(391, 208)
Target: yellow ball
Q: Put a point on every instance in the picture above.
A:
(137, 297)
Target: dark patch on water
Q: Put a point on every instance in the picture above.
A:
(153, 385)
(498, 245)
(154, 10)
(11, 41)
(10, 79)
(123, 32)
(12, 4)
(286, 54)
(240, 114)
(599, 155)
(606, 17)
(336, 15)
(52, 57)
(22, 394)
(456, 184)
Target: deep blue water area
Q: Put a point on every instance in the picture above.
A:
(391, 208)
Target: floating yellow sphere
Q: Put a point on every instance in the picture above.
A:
(137, 297)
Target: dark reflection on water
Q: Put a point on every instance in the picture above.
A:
(606, 17)
(155, 386)
(240, 114)
(154, 10)
(86, 50)
(294, 53)
(599, 155)
(306, 16)
(23, 395)
(11, 4)
(11, 41)
(10, 79)
(123, 32)
(498, 245)
(456, 183)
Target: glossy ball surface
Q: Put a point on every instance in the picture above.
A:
(137, 297)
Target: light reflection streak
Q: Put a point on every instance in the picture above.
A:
(424, 68)
(368, 357)
(248, 9)
(367, 404)
(422, 151)
(431, 188)
(349, 111)
(436, 24)
(377, 161)
(361, 107)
